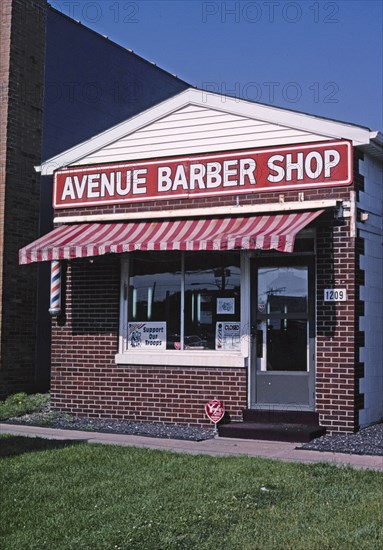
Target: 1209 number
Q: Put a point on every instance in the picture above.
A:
(335, 295)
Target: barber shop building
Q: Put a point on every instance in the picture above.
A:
(216, 248)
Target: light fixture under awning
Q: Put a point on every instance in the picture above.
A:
(276, 232)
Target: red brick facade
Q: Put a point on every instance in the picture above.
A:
(335, 330)
(86, 380)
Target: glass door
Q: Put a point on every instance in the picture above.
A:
(283, 335)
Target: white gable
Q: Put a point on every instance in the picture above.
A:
(195, 129)
(195, 121)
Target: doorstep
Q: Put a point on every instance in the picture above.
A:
(271, 425)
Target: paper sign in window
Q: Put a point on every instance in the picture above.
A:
(147, 335)
(228, 336)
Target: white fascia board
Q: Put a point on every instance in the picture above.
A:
(375, 147)
(198, 212)
(377, 140)
(377, 137)
(240, 107)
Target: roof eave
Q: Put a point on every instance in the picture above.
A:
(374, 147)
(358, 135)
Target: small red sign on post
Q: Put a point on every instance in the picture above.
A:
(215, 410)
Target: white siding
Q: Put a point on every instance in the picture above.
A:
(196, 121)
(194, 129)
(371, 201)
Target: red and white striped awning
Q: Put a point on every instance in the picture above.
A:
(95, 239)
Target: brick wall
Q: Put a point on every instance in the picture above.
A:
(5, 46)
(159, 393)
(335, 338)
(86, 381)
(338, 367)
(22, 51)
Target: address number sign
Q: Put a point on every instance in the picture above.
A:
(335, 295)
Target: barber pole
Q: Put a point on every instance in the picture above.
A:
(55, 302)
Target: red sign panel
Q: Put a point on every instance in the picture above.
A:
(215, 410)
(324, 164)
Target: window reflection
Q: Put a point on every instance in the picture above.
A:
(211, 299)
(209, 279)
(282, 289)
(155, 292)
(282, 311)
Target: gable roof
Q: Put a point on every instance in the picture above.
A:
(196, 121)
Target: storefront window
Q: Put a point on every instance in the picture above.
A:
(154, 304)
(212, 301)
(205, 286)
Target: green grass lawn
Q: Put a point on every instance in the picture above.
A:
(67, 495)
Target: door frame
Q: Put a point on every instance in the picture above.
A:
(257, 262)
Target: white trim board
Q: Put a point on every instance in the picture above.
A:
(182, 359)
(210, 211)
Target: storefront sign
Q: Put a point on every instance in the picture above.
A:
(147, 335)
(215, 410)
(335, 295)
(324, 164)
(228, 336)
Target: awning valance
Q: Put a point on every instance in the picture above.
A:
(66, 242)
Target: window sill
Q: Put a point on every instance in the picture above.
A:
(183, 358)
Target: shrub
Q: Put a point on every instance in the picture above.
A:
(19, 404)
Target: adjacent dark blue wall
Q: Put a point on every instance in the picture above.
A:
(91, 84)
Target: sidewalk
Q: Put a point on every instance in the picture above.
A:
(222, 446)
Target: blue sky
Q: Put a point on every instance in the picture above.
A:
(319, 57)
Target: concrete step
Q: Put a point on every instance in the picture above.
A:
(271, 431)
(271, 416)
